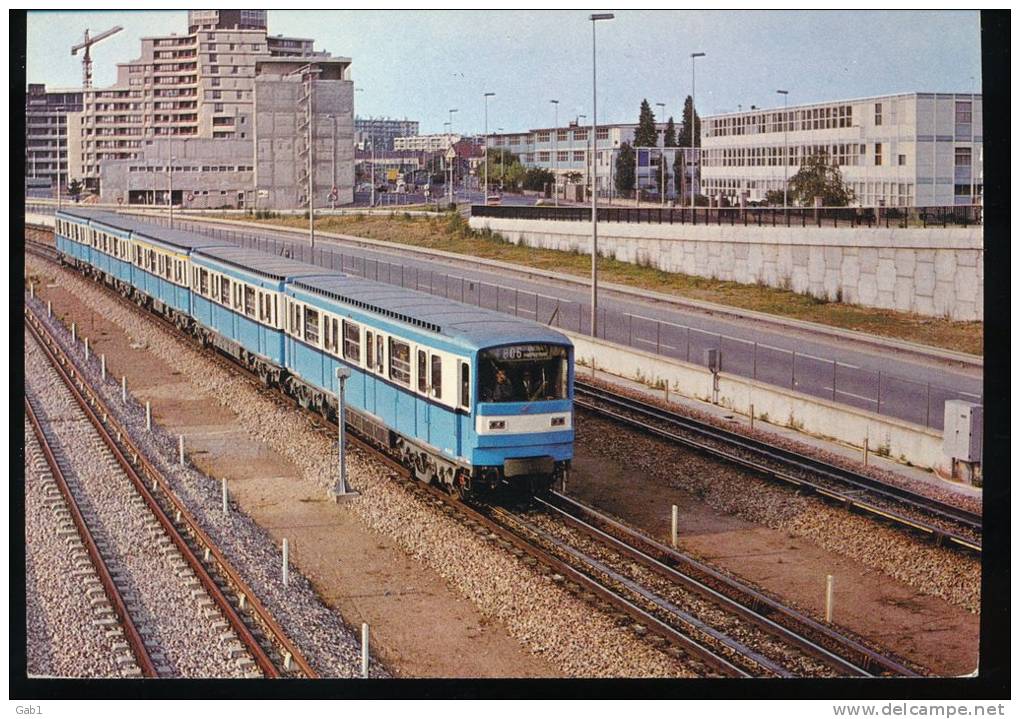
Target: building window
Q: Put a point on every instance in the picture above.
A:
(878, 153)
(902, 160)
(964, 113)
(963, 155)
(561, 135)
(578, 155)
(602, 133)
(543, 156)
(542, 137)
(878, 115)
(562, 156)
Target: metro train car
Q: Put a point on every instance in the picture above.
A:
(466, 397)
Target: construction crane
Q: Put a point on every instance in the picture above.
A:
(86, 61)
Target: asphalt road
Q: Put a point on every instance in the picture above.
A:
(902, 386)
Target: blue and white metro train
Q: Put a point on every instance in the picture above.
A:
(466, 397)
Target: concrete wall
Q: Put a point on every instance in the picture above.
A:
(887, 436)
(934, 272)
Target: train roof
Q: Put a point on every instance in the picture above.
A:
(471, 326)
(263, 263)
(139, 225)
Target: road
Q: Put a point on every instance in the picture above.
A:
(902, 386)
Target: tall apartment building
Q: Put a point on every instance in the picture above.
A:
(382, 131)
(46, 114)
(426, 143)
(200, 85)
(907, 149)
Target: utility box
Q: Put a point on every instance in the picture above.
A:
(962, 431)
(712, 359)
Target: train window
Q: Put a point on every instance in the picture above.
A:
(238, 295)
(423, 372)
(380, 357)
(465, 385)
(369, 354)
(326, 336)
(352, 342)
(167, 267)
(335, 342)
(203, 282)
(225, 292)
(295, 319)
(523, 373)
(437, 376)
(400, 361)
(249, 301)
(311, 326)
(275, 318)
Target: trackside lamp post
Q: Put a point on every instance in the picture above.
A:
(594, 179)
(340, 490)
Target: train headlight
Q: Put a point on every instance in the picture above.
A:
(558, 421)
(497, 424)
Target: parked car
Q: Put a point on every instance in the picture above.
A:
(493, 200)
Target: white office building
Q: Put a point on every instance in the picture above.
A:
(425, 143)
(912, 149)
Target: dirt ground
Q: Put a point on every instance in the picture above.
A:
(927, 630)
(420, 626)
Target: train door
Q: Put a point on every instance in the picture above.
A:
(422, 404)
(370, 374)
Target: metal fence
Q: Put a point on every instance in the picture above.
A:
(903, 217)
(880, 392)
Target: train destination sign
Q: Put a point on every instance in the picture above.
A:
(525, 352)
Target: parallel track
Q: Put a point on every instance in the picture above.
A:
(836, 483)
(113, 593)
(183, 530)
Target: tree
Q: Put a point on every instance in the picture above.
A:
(819, 177)
(670, 138)
(646, 135)
(686, 139)
(75, 188)
(625, 169)
(774, 197)
(537, 178)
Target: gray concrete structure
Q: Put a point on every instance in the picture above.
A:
(281, 133)
(935, 272)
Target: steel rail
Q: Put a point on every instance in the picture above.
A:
(789, 623)
(131, 633)
(65, 368)
(587, 397)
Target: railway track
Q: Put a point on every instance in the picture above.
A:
(271, 650)
(940, 521)
(714, 653)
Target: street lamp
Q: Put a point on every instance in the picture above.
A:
(595, 17)
(556, 147)
(694, 125)
(485, 192)
(786, 145)
(662, 157)
(452, 178)
(501, 151)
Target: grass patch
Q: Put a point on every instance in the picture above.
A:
(451, 233)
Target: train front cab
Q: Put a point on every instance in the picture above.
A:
(523, 429)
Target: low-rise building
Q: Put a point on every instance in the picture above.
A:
(911, 149)
(426, 143)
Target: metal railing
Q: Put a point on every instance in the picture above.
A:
(876, 391)
(884, 217)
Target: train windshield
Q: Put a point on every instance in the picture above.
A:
(523, 373)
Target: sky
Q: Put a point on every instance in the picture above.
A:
(420, 64)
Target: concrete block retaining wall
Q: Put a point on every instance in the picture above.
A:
(934, 272)
(887, 436)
